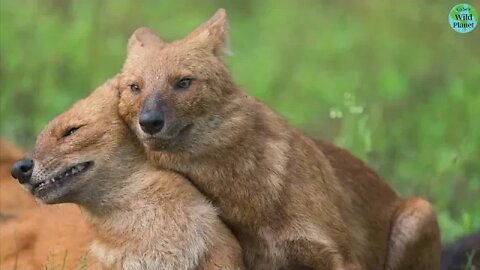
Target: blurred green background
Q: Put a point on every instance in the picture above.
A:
(390, 81)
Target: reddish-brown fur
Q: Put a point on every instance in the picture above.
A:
(291, 201)
(142, 218)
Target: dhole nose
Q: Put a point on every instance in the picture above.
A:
(152, 122)
(22, 170)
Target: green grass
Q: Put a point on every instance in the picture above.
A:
(52, 262)
(470, 265)
(391, 82)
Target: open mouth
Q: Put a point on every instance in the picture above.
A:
(46, 186)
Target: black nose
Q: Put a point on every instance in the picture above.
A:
(152, 122)
(22, 170)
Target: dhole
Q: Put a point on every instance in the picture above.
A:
(142, 218)
(291, 201)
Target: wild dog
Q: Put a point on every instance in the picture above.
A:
(142, 218)
(291, 201)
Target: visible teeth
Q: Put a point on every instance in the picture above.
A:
(44, 183)
(69, 172)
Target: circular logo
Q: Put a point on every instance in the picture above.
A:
(463, 18)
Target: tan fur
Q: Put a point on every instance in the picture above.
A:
(142, 218)
(290, 202)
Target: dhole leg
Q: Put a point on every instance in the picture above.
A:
(312, 255)
(225, 252)
(414, 242)
(223, 260)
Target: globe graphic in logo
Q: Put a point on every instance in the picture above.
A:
(463, 18)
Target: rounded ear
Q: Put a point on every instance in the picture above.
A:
(213, 33)
(142, 37)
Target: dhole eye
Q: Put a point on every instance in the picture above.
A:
(184, 83)
(70, 131)
(134, 88)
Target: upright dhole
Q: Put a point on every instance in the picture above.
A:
(142, 218)
(292, 202)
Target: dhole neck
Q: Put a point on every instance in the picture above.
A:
(118, 194)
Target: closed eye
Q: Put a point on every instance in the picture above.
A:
(71, 130)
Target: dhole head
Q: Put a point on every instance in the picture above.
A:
(170, 92)
(77, 150)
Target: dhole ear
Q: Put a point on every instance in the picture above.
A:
(213, 33)
(142, 37)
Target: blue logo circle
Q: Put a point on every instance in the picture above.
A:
(463, 18)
